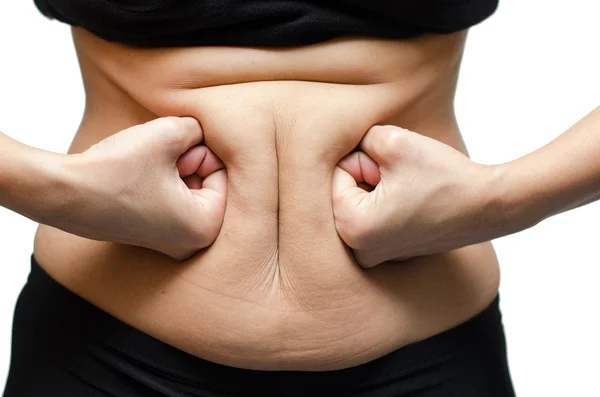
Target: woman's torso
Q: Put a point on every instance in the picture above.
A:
(278, 289)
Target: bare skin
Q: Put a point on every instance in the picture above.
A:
(139, 187)
(404, 195)
(278, 288)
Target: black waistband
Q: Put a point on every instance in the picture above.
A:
(98, 347)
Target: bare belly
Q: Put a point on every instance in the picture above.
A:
(278, 289)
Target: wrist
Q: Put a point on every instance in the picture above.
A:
(30, 179)
(511, 206)
(60, 180)
(51, 187)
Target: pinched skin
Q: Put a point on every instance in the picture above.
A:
(278, 289)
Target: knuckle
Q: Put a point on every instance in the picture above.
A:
(363, 233)
(392, 141)
(169, 124)
(172, 131)
(355, 231)
(364, 260)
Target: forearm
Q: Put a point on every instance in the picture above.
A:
(430, 198)
(128, 188)
(32, 181)
(560, 176)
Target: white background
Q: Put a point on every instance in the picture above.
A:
(529, 73)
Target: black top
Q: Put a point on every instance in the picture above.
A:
(159, 23)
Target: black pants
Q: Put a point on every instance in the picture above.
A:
(65, 347)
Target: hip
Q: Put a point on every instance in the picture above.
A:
(85, 351)
(238, 303)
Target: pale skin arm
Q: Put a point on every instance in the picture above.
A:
(150, 185)
(28, 184)
(560, 176)
(422, 197)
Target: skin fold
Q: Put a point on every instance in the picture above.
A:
(278, 288)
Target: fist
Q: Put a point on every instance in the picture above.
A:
(404, 195)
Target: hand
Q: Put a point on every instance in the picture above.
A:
(150, 186)
(406, 195)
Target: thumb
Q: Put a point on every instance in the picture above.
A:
(387, 145)
(175, 135)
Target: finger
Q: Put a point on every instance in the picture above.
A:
(176, 134)
(387, 145)
(211, 201)
(190, 161)
(345, 190)
(366, 260)
(193, 182)
(215, 182)
(210, 164)
(348, 212)
(369, 168)
(366, 186)
(362, 168)
(342, 181)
